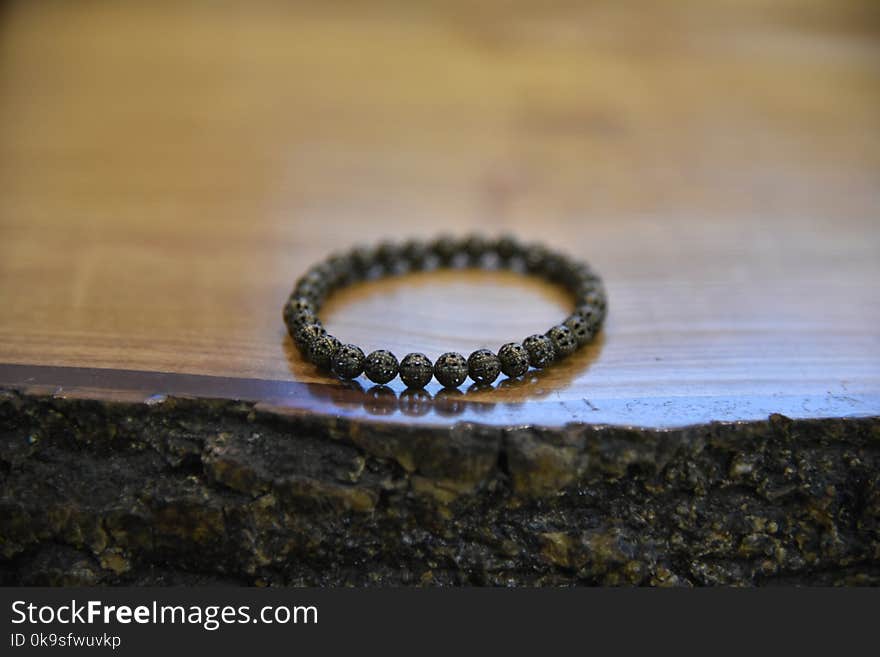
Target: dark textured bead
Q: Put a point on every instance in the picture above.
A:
(338, 269)
(564, 341)
(507, 247)
(381, 366)
(445, 248)
(388, 255)
(300, 318)
(307, 334)
(451, 369)
(475, 246)
(415, 254)
(597, 300)
(535, 256)
(316, 282)
(362, 259)
(295, 304)
(588, 294)
(591, 315)
(347, 362)
(581, 274)
(322, 349)
(483, 366)
(580, 328)
(541, 351)
(308, 291)
(514, 359)
(416, 370)
(554, 266)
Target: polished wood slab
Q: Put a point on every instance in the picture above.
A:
(168, 169)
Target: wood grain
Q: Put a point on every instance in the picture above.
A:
(168, 169)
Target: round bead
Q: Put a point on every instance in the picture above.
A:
(591, 316)
(475, 246)
(451, 369)
(580, 328)
(381, 366)
(541, 351)
(311, 292)
(415, 254)
(554, 266)
(564, 341)
(535, 257)
(507, 247)
(322, 350)
(597, 300)
(388, 255)
(339, 267)
(347, 362)
(295, 304)
(305, 335)
(362, 259)
(300, 318)
(444, 248)
(483, 366)
(416, 370)
(514, 359)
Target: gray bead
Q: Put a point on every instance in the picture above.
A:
(580, 328)
(347, 362)
(300, 318)
(591, 315)
(388, 254)
(295, 304)
(451, 369)
(508, 247)
(322, 349)
(514, 359)
(589, 292)
(445, 248)
(381, 366)
(339, 267)
(363, 259)
(554, 267)
(308, 291)
(580, 276)
(483, 366)
(541, 351)
(415, 254)
(476, 246)
(597, 300)
(564, 341)
(416, 370)
(535, 257)
(307, 334)
(315, 283)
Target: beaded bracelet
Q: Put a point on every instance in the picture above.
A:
(347, 361)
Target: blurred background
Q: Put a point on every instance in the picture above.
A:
(167, 170)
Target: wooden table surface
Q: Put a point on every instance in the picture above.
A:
(167, 170)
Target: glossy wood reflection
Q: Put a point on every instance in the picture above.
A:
(168, 169)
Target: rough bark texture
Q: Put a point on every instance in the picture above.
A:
(195, 491)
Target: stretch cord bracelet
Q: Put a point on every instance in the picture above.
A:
(347, 361)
